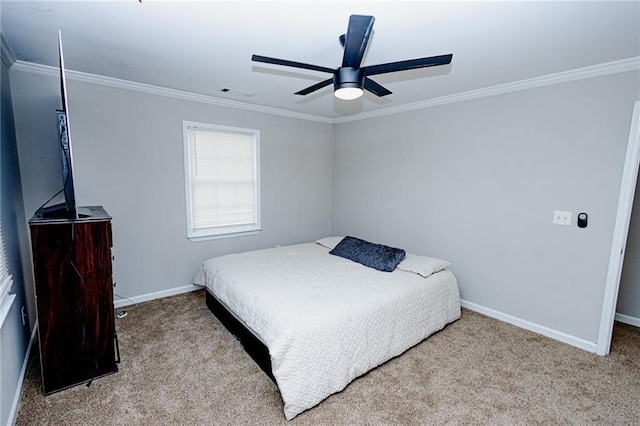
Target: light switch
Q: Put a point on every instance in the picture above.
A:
(561, 217)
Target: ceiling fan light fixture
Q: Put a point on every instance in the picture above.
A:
(348, 83)
(348, 93)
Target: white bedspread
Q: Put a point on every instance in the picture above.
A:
(327, 320)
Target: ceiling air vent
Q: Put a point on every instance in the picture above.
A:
(236, 92)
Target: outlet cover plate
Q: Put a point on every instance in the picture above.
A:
(561, 217)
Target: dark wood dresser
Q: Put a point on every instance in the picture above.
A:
(74, 295)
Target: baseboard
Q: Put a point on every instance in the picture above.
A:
(536, 328)
(13, 413)
(518, 322)
(127, 301)
(628, 319)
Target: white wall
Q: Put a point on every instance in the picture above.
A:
(128, 157)
(14, 335)
(477, 182)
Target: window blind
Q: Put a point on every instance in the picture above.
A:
(5, 278)
(223, 178)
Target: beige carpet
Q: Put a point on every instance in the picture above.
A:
(180, 366)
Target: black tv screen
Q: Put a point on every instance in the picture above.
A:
(67, 209)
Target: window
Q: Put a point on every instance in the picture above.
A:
(222, 178)
(5, 278)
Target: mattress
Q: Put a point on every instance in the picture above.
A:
(327, 320)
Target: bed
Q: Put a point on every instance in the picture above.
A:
(314, 321)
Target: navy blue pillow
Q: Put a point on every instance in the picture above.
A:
(377, 256)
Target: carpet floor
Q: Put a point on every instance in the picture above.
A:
(180, 366)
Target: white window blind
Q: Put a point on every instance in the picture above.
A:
(5, 278)
(222, 176)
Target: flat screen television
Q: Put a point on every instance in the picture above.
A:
(67, 209)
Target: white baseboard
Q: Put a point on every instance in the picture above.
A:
(628, 319)
(122, 301)
(13, 413)
(536, 328)
(527, 325)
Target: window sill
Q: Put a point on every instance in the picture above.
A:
(6, 307)
(195, 239)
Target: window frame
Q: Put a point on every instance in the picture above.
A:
(217, 232)
(6, 280)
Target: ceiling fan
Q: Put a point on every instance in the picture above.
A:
(350, 80)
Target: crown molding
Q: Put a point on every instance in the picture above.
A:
(609, 68)
(8, 58)
(624, 65)
(162, 91)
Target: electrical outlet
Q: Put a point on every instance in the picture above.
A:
(561, 218)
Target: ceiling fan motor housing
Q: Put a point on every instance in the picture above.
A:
(348, 77)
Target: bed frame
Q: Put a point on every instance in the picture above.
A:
(251, 344)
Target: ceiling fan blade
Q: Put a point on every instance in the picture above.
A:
(375, 88)
(315, 87)
(358, 33)
(275, 61)
(408, 65)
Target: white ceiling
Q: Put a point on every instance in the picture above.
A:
(202, 47)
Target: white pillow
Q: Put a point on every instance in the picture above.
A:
(422, 265)
(329, 242)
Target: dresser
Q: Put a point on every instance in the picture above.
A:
(74, 298)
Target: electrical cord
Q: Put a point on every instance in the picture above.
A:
(49, 200)
(125, 298)
(73, 265)
(122, 313)
(61, 139)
